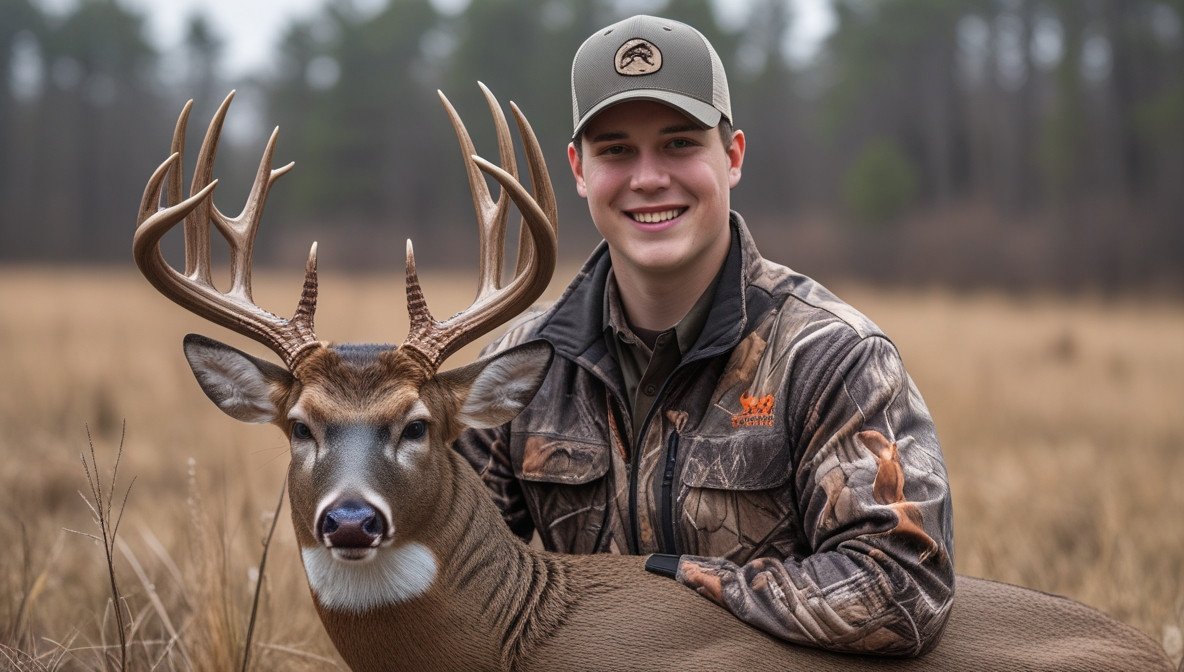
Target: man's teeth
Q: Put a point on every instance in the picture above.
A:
(655, 217)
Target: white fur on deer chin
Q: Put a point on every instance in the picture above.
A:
(392, 576)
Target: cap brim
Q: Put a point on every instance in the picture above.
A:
(697, 110)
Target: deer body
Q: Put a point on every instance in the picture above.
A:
(501, 605)
(408, 560)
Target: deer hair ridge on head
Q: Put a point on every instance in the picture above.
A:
(430, 340)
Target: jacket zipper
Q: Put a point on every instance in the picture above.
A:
(635, 460)
(634, 539)
(668, 494)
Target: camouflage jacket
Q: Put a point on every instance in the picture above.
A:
(789, 459)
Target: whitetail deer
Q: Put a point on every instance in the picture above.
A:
(409, 563)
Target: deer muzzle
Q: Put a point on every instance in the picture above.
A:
(352, 527)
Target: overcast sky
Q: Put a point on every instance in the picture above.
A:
(251, 28)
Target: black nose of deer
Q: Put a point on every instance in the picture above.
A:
(352, 524)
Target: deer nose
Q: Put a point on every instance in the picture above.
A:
(352, 524)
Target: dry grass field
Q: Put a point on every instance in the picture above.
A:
(1060, 421)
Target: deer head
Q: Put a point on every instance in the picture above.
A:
(369, 425)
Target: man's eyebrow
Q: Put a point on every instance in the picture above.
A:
(609, 136)
(680, 128)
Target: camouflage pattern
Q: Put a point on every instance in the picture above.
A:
(808, 494)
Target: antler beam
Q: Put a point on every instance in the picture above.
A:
(537, 247)
(194, 290)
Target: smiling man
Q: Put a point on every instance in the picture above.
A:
(658, 186)
(752, 434)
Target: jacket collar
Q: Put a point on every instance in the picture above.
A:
(575, 326)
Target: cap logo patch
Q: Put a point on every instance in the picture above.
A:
(638, 57)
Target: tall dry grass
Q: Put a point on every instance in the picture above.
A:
(1059, 419)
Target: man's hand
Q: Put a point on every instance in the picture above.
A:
(705, 581)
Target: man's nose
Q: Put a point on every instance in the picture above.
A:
(650, 173)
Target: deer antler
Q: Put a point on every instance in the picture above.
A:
(293, 338)
(234, 309)
(435, 340)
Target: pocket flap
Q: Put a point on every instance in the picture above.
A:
(556, 459)
(747, 461)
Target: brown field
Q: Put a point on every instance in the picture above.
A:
(1060, 421)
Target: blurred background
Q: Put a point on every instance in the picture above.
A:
(998, 183)
(1016, 143)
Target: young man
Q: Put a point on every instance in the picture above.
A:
(732, 418)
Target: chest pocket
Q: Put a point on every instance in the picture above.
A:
(564, 481)
(736, 499)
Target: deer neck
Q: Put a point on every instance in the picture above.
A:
(492, 597)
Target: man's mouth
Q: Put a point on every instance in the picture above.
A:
(656, 217)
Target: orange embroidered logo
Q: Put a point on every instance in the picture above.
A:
(754, 411)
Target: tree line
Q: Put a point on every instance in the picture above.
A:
(1013, 142)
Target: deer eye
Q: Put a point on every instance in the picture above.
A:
(301, 431)
(415, 430)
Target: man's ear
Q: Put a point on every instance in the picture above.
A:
(577, 168)
(494, 390)
(243, 386)
(735, 158)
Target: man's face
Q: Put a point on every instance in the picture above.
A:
(658, 187)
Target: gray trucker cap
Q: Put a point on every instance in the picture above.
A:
(649, 58)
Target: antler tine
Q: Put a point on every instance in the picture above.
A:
(240, 231)
(417, 306)
(491, 214)
(194, 290)
(175, 180)
(435, 340)
(197, 226)
(537, 268)
(151, 215)
(540, 180)
(492, 258)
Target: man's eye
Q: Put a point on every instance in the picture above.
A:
(681, 143)
(415, 430)
(301, 431)
(613, 150)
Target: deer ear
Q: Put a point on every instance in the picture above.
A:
(492, 391)
(241, 385)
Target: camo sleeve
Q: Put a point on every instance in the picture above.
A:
(873, 495)
(488, 450)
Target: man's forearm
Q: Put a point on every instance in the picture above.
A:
(869, 605)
